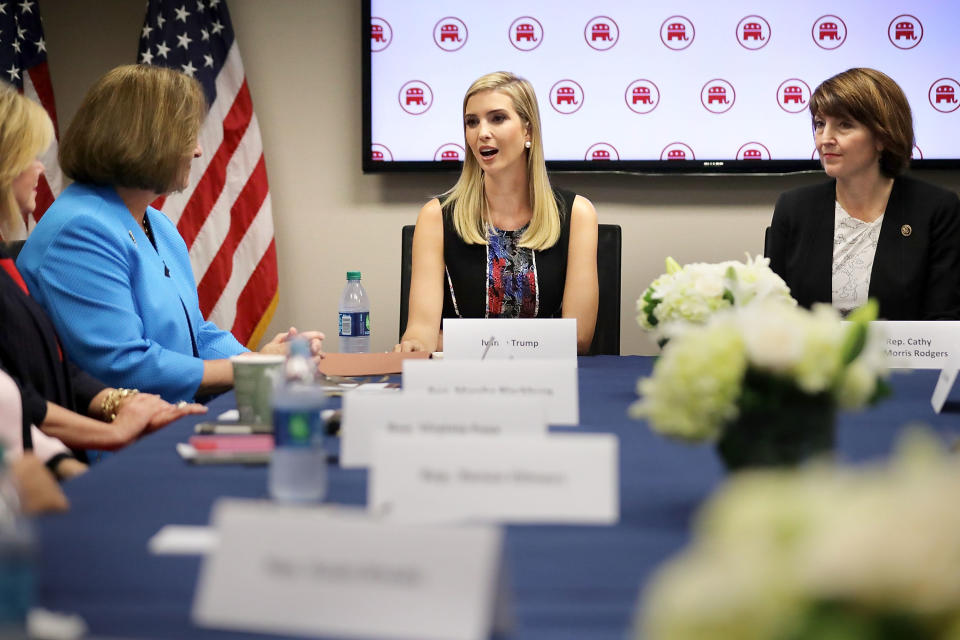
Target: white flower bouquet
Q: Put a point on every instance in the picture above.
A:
(822, 552)
(692, 293)
(768, 360)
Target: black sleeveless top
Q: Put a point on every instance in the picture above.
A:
(500, 279)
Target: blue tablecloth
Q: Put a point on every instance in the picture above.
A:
(567, 581)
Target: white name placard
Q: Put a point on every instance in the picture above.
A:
(552, 382)
(506, 338)
(920, 344)
(413, 414)
(943, 387)
(561, 478)
(313, 571)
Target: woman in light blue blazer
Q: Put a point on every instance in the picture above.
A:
(113, 272)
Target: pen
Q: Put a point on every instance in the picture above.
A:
(483, 356)
(228, 429)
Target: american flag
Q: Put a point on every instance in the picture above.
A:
(224, 214)
(23, 59)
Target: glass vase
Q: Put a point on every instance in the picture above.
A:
(781, 435)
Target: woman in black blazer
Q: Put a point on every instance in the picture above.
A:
(871, 232)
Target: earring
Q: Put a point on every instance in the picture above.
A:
(527, 144)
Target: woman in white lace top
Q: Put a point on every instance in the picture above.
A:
(870, 232)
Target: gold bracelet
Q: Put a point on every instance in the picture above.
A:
(111, 402)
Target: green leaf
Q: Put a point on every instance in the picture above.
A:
(853, 343)
(836, 620)
(865, 314)
(882, 390)
(651, 304)
(856, 336)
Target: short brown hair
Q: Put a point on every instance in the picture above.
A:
(134, 128)
(874, 99)
(25, 132)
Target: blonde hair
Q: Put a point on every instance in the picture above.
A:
(25, 132)
(874, 99)
(467, 195)
(135, 128)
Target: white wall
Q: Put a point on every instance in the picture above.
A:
(302, 59)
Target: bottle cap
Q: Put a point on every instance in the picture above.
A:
(353, 275)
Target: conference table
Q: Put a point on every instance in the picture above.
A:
(565, 581)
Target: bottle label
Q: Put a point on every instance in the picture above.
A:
(297, 428)
(354, 324)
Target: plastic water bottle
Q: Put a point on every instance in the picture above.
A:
(354, 316)
(298, 465)
(16, 561)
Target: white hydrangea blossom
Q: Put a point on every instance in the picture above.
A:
(692, 293)
(754, 281)
(697, 382)
(880, 539)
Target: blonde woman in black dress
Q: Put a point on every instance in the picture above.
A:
(502, 242)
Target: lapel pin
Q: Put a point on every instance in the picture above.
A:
(131, 237)
(906, 230)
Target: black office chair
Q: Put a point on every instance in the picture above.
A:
(406, 267)
(13, 247)
(606, 336)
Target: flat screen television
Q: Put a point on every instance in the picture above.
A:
(657, 86)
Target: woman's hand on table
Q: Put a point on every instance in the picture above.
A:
(278, 345)
(69, 468)
(37, 487)
(171, 412)
(409, 345)
(146, 412)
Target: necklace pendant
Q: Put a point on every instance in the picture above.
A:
(131, 237)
